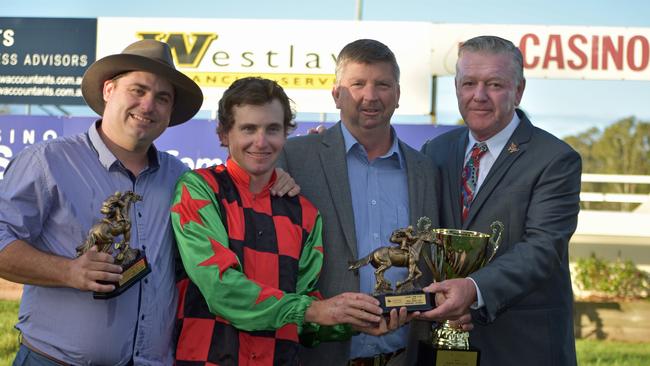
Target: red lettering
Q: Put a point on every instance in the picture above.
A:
(594, 52)
(522, 47)
(615, 53)
(631, 48)
(577, 51)
(554, 52)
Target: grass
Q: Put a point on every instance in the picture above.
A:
(8, 334)
(590, 353)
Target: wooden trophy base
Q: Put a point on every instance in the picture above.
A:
(431, 356)
(137, 270)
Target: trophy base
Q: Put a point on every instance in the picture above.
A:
(431, 356)
(413, 301)
(131, 274)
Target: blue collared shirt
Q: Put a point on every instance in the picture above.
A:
(380, 203)
(51, 195)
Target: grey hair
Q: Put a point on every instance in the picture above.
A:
(495, 45)
(366, 51)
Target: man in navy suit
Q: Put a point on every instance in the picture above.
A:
(526, 178)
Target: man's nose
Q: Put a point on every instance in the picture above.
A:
(260, 139)
(480, 93)
(147, 102)
(370, 92)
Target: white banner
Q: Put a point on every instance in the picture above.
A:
(299, 54)
(556, 52)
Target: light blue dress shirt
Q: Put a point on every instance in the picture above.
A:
(50, 196)
(380, 203)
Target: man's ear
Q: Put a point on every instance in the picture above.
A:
(107, 89)
(223, 137)
(336, 93)
(519, 92)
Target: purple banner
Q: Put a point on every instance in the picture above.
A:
(194, 142)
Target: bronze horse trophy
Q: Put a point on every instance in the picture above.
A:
(406, 253)
(116, 223)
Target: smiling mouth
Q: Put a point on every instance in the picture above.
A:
(371, 111)
(141, 118)
(259, 155)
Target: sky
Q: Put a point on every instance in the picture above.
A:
(563, 107)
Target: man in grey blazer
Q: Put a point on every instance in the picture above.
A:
(366, 183)
(529, 180)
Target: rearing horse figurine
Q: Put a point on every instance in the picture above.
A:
(405, 255)
(116, 222)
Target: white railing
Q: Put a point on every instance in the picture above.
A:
(615, 197)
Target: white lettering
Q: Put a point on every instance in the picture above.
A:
(29, 137)
(49, 135)
(5, 155)
(199, 163)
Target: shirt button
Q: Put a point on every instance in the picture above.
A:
(146, 281)
(142, 317)
(137, 353)
(375, 235)
(259, 233)
(373, 202)
(139, 214)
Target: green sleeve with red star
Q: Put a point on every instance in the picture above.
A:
(204, 248)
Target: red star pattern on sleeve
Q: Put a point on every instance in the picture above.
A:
(188, 208)
(222, 258)
(267, 292)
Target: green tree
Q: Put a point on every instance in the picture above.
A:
(621, 148)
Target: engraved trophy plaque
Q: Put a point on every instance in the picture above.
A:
(103, 234)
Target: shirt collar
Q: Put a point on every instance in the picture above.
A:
(352, 143)
(243, 179)
(105, 155)
(497, 142)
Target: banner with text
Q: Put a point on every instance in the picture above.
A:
(555, 52)
(42, 60)
(299, 54)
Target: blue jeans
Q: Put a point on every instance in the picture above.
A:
(27, 357)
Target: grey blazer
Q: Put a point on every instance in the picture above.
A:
(318, 164)
(533, 188)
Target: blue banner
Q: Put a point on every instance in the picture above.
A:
(42, 60)
(195, 142)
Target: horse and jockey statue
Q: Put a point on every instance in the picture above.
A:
(405, 254)
(115, 223)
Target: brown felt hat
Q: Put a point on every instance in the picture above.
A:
(150, 56)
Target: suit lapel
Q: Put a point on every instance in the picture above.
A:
(455, 167)
(506, 158)
(334, 162)
(416, 184)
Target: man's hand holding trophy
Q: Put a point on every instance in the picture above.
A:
(450, 254)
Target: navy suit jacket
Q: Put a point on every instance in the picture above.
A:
(533, 188)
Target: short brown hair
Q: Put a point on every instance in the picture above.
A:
(366, 51)
(253, 91)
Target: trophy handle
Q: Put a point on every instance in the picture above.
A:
(495, 238)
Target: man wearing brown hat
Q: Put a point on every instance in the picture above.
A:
(52, 194)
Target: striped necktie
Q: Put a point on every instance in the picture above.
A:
(470, 176)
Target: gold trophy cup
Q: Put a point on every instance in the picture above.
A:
(116, 223)
(456, 254)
